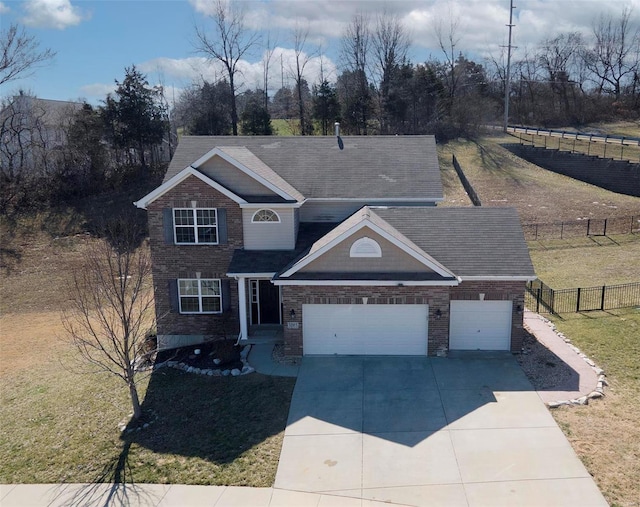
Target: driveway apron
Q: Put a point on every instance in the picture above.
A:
(461, 431)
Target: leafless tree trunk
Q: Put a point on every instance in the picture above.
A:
(448, 40)
(356, 45)
(301, 60)
(20, 54)
(266, 62)
(24, 150)
(227, 45)
(614, 56)
(112, 305)
(390, 43)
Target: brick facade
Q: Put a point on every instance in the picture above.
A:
(437, 298)
(293, 297)
(172, 261)
(498, 291)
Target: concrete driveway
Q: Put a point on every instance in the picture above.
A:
(461, 431)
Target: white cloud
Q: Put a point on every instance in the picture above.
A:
(188, 70)
(97, 90)
(482, 23)
(4, 9)
(58, 14)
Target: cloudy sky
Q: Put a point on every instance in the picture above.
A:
(96, 40)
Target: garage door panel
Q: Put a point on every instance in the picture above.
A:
(480, 325)
(365, 329)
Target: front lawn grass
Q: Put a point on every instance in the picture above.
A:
(59, 425)
(606, 434)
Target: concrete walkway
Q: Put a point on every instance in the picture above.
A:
(160, 495)
(587, 380)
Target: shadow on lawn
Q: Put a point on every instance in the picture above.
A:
(213, 418)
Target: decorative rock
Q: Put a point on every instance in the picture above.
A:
(225, 373)
(210, 373)
(556, 404)
(247, 369)
(245, 352)
(217, 361)
(590, 362)
(583, 400)
(595, 394)
(235, 372)
(599, 372)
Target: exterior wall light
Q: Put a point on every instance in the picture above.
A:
(292, 314)
(438, 314)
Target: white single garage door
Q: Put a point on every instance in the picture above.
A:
(365, 329)
(480, 325)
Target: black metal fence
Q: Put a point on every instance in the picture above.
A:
(581, 228)
(541, 298)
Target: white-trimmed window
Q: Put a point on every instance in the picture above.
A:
(195, 226)
(365, 247)
(265, 216)
(200, 295)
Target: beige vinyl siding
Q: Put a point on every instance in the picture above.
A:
(269, 235)
(393, 259)
(233, 178)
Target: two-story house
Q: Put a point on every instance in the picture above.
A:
(337, 240)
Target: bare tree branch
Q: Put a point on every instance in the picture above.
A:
(112, 305)
(20, 54)
(228, 44)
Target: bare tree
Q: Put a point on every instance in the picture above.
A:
(356, 46)
(20, 54)
(302, 58)
(558, 57)
(112, 305)
(227, 45)
(24, 147)
(615, 54)
(390, 43)
(266, 62)
(448, 40)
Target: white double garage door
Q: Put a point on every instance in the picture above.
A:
(402, 329)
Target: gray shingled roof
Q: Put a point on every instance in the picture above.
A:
(469, 241)
(401, 167)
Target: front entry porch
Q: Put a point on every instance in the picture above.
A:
(260, 310)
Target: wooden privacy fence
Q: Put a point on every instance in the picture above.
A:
(580, 228)
(541, 298)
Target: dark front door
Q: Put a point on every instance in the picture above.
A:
(269, 296)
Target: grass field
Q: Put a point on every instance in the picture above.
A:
(582, 262)
(503, 179)
(606, 434)
(59, 424)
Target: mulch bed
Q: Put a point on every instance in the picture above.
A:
(226, 351)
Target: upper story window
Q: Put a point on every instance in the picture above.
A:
(200, 295)
(265, 215)
(195, 225)
(365, 247)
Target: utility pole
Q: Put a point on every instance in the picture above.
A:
(507, 80)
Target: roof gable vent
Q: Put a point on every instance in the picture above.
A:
(365, 247)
